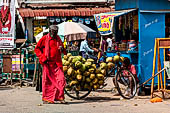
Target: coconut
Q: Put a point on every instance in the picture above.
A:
(96, 86)
(63, 61)
(91, 84)
(109, 59)
(122, 59)
(73, 82)
(70, 58)
(92, 76)
(79, 58)
(100, 76)
(83, 60)
(95, 81)
(88, 64)
(70, 71)
(97, 71)
(101, 82)
(74, 60)
(94, 66)
(103, 71)
(69, 54)
(65, 68)
(78, 64)
(103, 65)
(88, 80)
(90, 60)
(78, 72)
(91, 70)
(67, 63)
(86, 73)
(65, 57)
(83, 68)
(110, 65)
(79, 77)
(116, 58)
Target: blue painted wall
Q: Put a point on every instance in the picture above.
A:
(126, 4)
(142, 4)
(151, 26)
(154, 4)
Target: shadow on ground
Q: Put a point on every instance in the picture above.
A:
(5, 88)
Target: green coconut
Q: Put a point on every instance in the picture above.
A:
(91, 70)
(65, 57)
(69, 54)
(109, 59)
(88, 64)
(100, 76)
(103, 65)
(90, 60)
(83, 68)
(78, 64)
(116, 58)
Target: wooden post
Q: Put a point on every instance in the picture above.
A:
(153, 71)
(100, 48)
(164, 72)
(158, 64)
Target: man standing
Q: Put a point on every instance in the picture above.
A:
(48, 50)
(109, 41)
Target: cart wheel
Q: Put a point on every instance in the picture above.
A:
(74, 92)
(126, 84)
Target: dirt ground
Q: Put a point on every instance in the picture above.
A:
(27, 100)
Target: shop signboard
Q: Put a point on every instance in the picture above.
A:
(7, 24)
(104, 23)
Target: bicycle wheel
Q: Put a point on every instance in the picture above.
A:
(75, 92)
(126, 84)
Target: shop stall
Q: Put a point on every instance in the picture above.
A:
(138, 30)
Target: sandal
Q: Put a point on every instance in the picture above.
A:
(61, 102)
(46, 102)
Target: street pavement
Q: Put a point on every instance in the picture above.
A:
(27, 100)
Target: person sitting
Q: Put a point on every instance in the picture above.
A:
(127, 65)
(84, 49)
(75, 46)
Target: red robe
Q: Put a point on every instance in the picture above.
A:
(7, 22)
(53, 81)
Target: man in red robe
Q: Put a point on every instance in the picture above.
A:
(5, 19)
(49, 49)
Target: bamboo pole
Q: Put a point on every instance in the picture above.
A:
(153, 71)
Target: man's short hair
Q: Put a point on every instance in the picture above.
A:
(53, 27)
(126, 61)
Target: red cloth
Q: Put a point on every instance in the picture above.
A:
(49, 53)
(133, 70)
(7, 22)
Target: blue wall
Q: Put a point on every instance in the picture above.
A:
(151, 26)
(154, 4)
(142, 4)
(126, 4)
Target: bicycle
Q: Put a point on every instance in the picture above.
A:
(124, 81)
